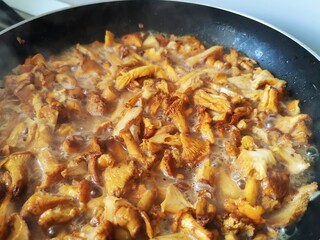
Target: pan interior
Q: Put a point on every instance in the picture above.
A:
(285, 58)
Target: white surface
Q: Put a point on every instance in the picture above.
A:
(300, 19)
(36, 7)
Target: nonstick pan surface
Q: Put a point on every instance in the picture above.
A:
(288, 60)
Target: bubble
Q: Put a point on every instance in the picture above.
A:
(94, 222)
(235, 176)
(74, 68)
(241, 183)
(215, 164)
(95, 192)
(52, 231)
(315, 195)
(289, 230)
(313, 153)
(270, 121)
(258, 53)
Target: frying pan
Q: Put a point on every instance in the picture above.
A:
(55, 32)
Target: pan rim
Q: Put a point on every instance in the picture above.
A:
(283, 32)
(269, 25)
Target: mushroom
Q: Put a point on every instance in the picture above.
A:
(175, 112)
(96, 105)
(287, 124)
(214, 50)
(193, 149)
(263, 77)
(108, 39)
(294, 208)
(139, 72)
(213, 102)
(57, 215)
(206, 173)
(6, 209)
(189, 82)
(39, 202)
(51, 168)
(294, 162)
(174, 201)
(242, 208)
(147, 200)
(18, 228)
(121, 213)
(17, 164)
(129, 116)
(116, 178)
(255, 162)
(184, 222)
(292, 107)
(269, 100)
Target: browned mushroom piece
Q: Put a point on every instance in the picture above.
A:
(121, 213)
(18, 228)
(56, 216)
(39, 202)
(16, 164)
(185, 222)
(116, 178)
(294, 208)
(96, 105)
(6, 209)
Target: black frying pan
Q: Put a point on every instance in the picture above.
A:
(8, 16)
(284, 57)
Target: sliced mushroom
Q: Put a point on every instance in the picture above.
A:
(96, 105)
(39, 202)
(194, 150)
(121, 213)
(287, 124)
(269, 100)
(23, 134)
(147, 200)
(215, 50)
(206, 173)
(17, 164)
(6, 209)
(56, 216)
(255, 162)
(51, 168)
(129, 116)
(184, 222)
(144, 71)
(174, 200)
(18, 228)
(213, 102)
(294, 209)
(116, 179)
(294, 162)
(175, 112)
(242, 208)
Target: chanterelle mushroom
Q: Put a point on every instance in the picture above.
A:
(120, 212)
(293, 209)
(17, 164)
